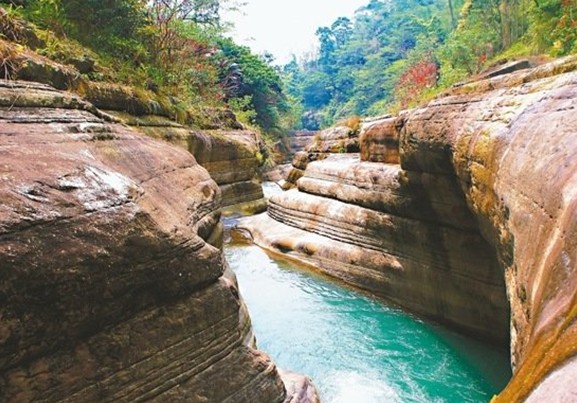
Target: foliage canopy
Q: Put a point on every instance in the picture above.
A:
(394, 53)
(177, 47)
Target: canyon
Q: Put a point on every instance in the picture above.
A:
(463, 210)
(113, 282)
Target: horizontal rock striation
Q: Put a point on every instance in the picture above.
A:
(391, 233)
(218, 140)
(511, 140)
(113, 286)
(338, 139)
(299, 140)
(478, 221)
(379, 140)
(231, 156)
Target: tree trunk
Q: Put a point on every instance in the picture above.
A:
(453, 22)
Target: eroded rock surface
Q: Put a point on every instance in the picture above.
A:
(393, 233)
(231, 156)
(338, 139)
(113, 286)
(379, 139)
(299, 140)
(478, 221)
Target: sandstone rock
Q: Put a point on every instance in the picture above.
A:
(299, 388)
(299, 163)
(299, 140)
(339, 139)
(230, 156)
(379, 140)
(388, 188)
(113, 286)
(23, 64)
(501, 152)
(513, 148)
(84, 63)
(277, 174)
(116, 97)
(438, 270)
(507, 68)
(48, 72)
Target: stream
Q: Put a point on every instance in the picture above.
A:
(356, 348)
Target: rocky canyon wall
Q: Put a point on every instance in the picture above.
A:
(230, 154)
(465, 211)
(113, 286)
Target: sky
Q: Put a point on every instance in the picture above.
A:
(286, 27)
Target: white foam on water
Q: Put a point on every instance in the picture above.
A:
(352, 387)
(269, 189)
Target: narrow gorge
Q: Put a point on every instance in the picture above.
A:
(463, 210)
(113, 282)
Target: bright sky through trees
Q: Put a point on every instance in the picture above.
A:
(285, 27)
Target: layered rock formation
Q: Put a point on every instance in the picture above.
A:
(293, 144)
(219, 142)
(338, 139)
(299, 140)
(230, 154)
(113, 286)
(479, 220)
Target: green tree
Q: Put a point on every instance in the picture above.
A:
(111, 26)
(356, 66)
(257, 80)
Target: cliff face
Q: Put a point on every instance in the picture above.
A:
(408, 236)
(113, 286)
(217, 140)
(476, 224)
(513, 143)
(231, 156)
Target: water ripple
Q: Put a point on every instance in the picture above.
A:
(355, 348)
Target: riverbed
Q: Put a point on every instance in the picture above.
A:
(356, 348)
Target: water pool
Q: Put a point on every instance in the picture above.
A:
(356, 348)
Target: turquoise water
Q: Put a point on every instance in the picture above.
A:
(355, 348)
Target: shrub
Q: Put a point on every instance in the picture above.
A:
(419, 77)
(353, 123)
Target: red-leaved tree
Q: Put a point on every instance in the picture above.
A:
(418, 77)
